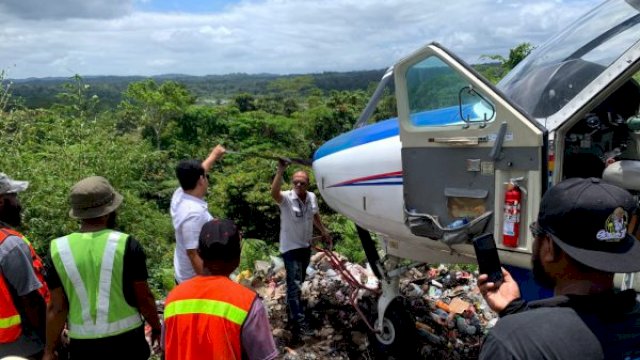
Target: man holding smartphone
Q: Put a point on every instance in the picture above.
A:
(577, 250)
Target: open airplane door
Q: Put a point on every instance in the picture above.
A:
(463, 143)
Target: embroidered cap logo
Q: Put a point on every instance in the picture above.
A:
(615, 228)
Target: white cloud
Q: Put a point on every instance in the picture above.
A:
(277, 36)
(64, 9)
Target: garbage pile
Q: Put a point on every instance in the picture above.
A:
(451, 317)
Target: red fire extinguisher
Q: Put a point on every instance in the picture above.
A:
(512, 209)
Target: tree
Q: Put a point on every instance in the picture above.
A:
(155, 105)
(332, 117)
(292, 86)
(75, 99)
(8, 102)
(245, 102)
(516, 55)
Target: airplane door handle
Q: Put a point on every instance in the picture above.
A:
(497, 145)
(458, 140)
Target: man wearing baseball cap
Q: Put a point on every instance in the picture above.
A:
(23, 291)
(210, 316)
(581, 241)
(98, 280)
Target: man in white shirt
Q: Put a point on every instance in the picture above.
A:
(298, 215)
(189, 212)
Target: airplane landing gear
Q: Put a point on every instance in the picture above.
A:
(395, 328)
(397, 333)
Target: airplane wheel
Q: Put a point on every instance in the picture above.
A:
(398, 338)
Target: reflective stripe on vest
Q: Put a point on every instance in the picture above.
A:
(102, 326)
(207, 307)
(10, 321)
(204, 318)
(10, 329)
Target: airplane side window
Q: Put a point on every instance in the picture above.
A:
(434, 93)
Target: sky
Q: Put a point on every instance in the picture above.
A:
(43, 38)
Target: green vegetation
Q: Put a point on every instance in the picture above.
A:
(516, 55)
(137, 144)
(134, 130)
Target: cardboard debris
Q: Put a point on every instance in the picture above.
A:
(458, 305)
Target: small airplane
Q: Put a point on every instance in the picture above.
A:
(465, 157)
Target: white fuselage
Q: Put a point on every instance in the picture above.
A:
(364, 183)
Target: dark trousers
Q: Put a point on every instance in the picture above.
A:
(129, 345)
(295, 264)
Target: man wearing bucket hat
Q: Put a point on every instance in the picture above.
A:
(98, 280)
(580, 243)
(23, 292)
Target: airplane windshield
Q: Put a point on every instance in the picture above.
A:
(557, 71)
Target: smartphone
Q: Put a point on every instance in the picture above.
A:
(487, 256)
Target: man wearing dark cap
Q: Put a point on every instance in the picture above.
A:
(581, 241)
(23, 292)
(212, 317)
(98, 281)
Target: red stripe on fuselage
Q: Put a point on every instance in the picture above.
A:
(372, 177)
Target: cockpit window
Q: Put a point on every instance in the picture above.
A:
(557, 71)
(439, 96)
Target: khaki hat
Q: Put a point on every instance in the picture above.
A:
(10, 186)
(93, 197)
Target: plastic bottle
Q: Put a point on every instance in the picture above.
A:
(458, 223)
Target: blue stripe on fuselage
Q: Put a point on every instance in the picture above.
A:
(374, 132)
(385, 129)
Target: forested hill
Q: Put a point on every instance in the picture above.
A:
(42, 92)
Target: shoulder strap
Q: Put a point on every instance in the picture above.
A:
(6, 232)
(3, 235)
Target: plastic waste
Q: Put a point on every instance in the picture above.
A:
(414, 290)
(435, 292)
(443, 305)
(244, 278)
(458, 223)
(331, 274)
(310, 272)
(277, 263)
(464, 326)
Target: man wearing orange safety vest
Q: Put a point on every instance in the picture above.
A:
(23, 292)
(212, 317)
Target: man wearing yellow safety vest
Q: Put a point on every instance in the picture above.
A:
(98, 281)
(23, 292)
(210, 316)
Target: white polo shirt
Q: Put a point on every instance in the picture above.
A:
(296, 220)
(188, 214)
